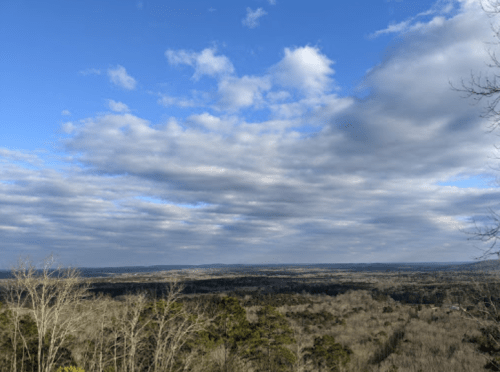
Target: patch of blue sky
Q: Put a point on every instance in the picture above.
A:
(479, 182)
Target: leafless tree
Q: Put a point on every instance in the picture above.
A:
(127, 336)
(13, 292)
(172, 327)
(486, 312)
(488, 90)
(52, 305)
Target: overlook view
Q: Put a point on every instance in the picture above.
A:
(258, 185)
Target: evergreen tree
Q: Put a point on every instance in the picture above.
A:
(268, 338)
(230, 328)
(327, 353)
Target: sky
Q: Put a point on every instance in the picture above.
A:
(244, 132)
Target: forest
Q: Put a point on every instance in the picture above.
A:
(322, 322)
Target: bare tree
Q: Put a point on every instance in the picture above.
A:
(488, 90)
(145, 335)
(52, 305)
(173, 325)
(486, 311)
(102, 336)
(13, 292)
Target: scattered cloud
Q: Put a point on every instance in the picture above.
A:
(305, 69)
(119, 76)
(205, 63)
(251, 20)
(68, 127)
(19, 156)
(440, 7)
(118, 106)
(65, 113)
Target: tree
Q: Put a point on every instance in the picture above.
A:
(52, 307)
(170, 326)
(328, 353)
(230, 328)
(488, 90)
(268, 339)
(488, 300)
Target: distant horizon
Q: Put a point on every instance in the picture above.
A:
(272, 264)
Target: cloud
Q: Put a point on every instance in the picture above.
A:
(68, 127)
(174, 101)
(119, 76)
(440, 7)
(205, 63)
(251, 20)
(272, 2)
(305, 69)
(236, 93)
(118, 106)
(362, 186)
(65, 113)
(19, 156)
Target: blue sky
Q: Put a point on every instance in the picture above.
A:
(139, 133)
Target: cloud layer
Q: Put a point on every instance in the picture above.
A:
(218, 188)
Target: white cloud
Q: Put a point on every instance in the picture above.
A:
(65, 113)
(235, 93)
(68, 127)
(19, 156)
(251, 20)
(118, 106)
(119, 76)
(441, 7)
(278, 96)
(305, 69)
(166, 101)
(211, 122)
(272, 2)
(205, 63)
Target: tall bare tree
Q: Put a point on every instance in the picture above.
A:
(488, 90)
(486, 310)
(52, 303)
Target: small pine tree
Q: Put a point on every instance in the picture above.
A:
(328, 353)
(269, 337)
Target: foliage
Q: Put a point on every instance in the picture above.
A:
(229, 328)
(269, 337)
(328, 353)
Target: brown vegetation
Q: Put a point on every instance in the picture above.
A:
(312, 322)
